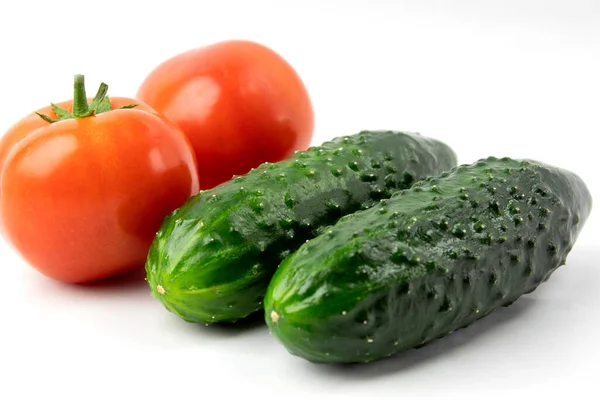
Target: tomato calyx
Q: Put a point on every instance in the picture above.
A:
(81, 108)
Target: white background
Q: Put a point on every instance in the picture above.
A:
(517, 78)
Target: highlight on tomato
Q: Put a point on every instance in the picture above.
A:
(239, 102)
(86, 183)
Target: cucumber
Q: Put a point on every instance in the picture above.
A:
(212, 259)
(428, 261)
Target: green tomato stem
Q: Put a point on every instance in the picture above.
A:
(81, 108)
(80, 104)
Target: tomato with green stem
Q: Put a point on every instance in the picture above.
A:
(85, 185)
(239, 102)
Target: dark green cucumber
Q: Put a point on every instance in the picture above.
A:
(213, 258)
(430, 260)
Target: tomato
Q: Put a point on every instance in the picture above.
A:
(239, 103)
(81, 198)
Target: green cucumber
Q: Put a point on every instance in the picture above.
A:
(428, 261)
(212, 259)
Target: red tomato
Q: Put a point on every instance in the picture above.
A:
(82, 198)
(239, 103)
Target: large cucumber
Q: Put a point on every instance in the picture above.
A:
(212, 259)
(430, 260)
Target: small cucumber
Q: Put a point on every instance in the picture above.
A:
(212, 259)
(428, 261)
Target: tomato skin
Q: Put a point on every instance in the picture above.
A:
(81, 199)
(26, 125)
(239, 103)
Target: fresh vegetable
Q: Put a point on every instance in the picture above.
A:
(85, 184)
(239, 102)
(428, 261)
(213, 258)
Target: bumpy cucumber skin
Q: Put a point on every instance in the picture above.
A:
(432, 259)
(212, 259)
